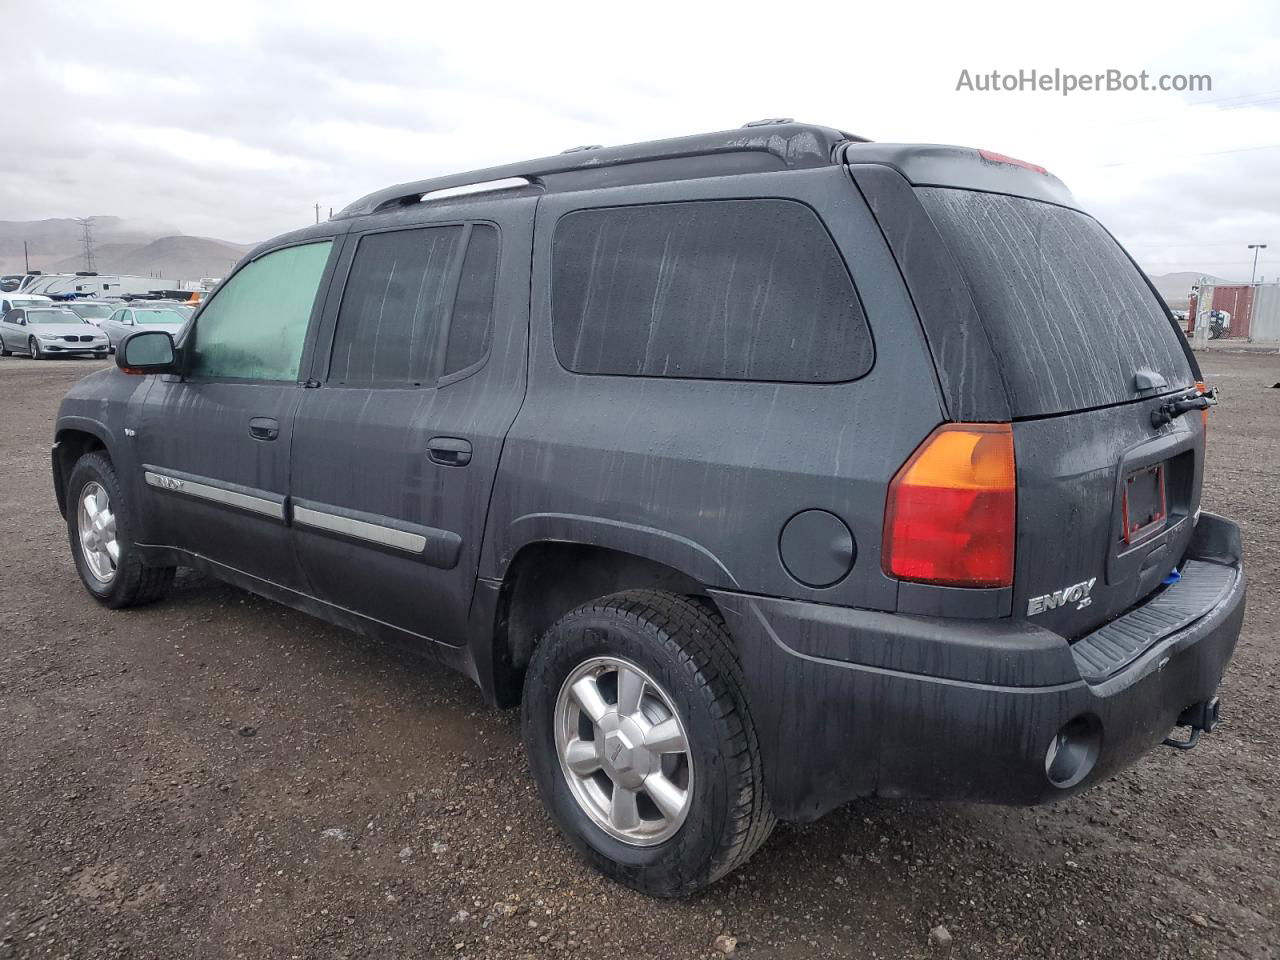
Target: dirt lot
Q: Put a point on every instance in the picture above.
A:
(217, 776)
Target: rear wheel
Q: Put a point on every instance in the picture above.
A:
(99, 527)
(4, 350)
(641, 743)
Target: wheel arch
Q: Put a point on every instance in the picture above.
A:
(71, 442)
(546, 579)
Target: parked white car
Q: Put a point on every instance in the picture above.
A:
(12, 301)
(92, 311)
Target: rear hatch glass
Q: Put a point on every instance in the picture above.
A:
(1069, 317)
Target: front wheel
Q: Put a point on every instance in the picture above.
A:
(99, 527)
(641, 742)
(33, 348)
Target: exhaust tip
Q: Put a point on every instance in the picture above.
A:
(1073, 751)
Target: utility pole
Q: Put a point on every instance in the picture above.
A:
(26, 260)
(317, 213)
(1255, 247)
(87, 223)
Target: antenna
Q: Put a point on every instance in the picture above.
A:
(87, 224)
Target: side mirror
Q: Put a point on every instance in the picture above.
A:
(147, 351)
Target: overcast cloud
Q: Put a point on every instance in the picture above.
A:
(232, 119)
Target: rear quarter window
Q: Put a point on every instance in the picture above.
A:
(719, 290)
(1069, 317)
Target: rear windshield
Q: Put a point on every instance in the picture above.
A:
(90, 310)
(1071, 320)
(158, 316)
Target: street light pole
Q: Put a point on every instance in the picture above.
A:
(1255, 247)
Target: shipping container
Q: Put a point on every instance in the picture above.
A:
(1233, 298)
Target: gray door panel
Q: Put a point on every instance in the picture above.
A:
(212, 451)
(207, 482)
(391, 485)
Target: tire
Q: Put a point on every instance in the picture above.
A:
(33, 348)
(4, 351)
(681, 646)
(131, 583)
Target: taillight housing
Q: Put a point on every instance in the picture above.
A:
(1204, 414)
(950, 514)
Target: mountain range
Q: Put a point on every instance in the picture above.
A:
(119, 246)
(156, 249)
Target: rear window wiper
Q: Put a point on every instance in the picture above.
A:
(1171, 409)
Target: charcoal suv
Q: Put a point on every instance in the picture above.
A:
(767, 469)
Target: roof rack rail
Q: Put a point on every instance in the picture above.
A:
(787, 144)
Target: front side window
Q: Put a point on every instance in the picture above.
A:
(417, 305)
(255, 328)
(718, 289)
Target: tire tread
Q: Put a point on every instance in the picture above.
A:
(694, 633)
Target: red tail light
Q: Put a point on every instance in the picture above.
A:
(1204, 414)
(950, 514)
(992, 157)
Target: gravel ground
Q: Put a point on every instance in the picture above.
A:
(217, 776)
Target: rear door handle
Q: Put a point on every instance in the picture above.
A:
(264, 428)
(449, 451)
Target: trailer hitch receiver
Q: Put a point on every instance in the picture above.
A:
(1201, 717)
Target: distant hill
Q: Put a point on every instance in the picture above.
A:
(119, 245)
(1175, 287)
(174, 258)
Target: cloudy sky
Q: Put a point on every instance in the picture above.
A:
(233, 119)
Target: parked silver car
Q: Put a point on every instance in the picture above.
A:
(94, 311)
(45, 331)
(128, 319)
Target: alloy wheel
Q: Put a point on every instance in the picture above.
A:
(624, 751)
(96, 524)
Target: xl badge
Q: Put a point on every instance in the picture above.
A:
(1077, 593)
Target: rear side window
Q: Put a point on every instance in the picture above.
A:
(416, 306)
(718, 290)
(255, 327)
(472, 319)
(1069, 317)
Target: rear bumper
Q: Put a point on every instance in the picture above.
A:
(850, 703)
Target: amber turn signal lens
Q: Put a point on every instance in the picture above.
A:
(951, 510)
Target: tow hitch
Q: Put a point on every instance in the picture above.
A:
(1199, 717)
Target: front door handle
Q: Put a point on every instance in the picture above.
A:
(264, 428)
(449, 451)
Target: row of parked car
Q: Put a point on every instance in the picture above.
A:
(43, 327)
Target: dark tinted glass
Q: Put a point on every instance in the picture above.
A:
(473, 308)
(721, 289)
(1069, 316)
(394, 306)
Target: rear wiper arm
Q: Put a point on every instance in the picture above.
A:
(1167, 411)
